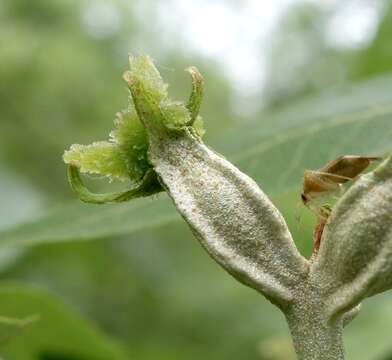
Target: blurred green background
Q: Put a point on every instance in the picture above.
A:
(282, 69)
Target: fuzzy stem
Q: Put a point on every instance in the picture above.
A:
(314, 337)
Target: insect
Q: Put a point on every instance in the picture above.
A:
(322, 183)
(328, 179)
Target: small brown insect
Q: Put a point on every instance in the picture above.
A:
(329, 178)
(323, 182)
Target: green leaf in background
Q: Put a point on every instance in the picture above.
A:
(274, 151)
(35, 325)
(79, 221)
(349, 120)
(369, 336)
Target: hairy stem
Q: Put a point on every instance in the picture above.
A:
(313, 336)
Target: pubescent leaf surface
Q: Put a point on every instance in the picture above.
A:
(273, 150)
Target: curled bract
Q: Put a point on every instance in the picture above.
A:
(122, 157)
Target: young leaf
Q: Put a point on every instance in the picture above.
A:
(103, 158)
(123, 157)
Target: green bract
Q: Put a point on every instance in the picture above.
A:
(124, 156)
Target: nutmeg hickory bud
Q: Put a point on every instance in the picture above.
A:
(124, 156)
(229, 214)
(156, 146)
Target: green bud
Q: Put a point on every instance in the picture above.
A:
(124, 156)
(156, 145)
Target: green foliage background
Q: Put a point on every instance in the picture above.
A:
(142, 287)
